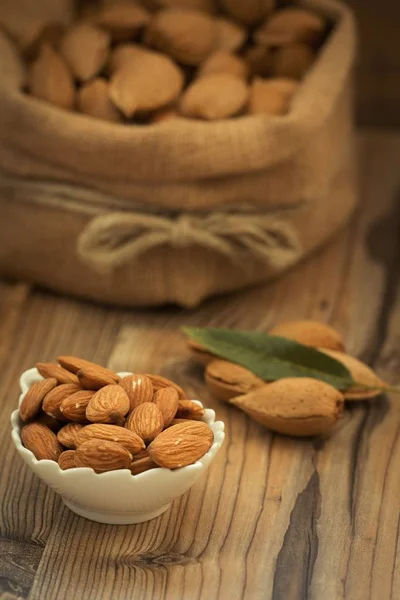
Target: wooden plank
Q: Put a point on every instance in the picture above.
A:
(275, 518)
(18, 564)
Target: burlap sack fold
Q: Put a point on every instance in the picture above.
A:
(173, 212)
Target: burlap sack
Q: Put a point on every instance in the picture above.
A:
(173, 212)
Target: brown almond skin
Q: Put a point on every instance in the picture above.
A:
(167, 400)
(102, 456)
(33, 399)
(189, 410)
(67, 460)
(138, 388)
(75, 364)
(53, 370)
(74, 407)
(49, 421)
(300, 407)
(310, 333)
(41, 441)
(92, 378)
(53, 400)
(112, 433)
(361, 373)
(181, 445)
(226, 380)
(68, 435)
(146, 421)
(142, 465)
(159, 382)
(110, 404)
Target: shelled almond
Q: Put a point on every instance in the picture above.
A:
(145, 61)
(108, 426)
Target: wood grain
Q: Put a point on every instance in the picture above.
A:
(275, 518)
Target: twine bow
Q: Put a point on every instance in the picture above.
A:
(115, 239)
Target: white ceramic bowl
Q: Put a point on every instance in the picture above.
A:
(116, 497)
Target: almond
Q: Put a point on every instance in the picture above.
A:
(94, 378)
(215, 97)
(124, 54)
(361, 373)
(141, 454)
(85, 49)
(181, 445)
(294, 406)
(124, 20)
(259, 60)
(48, 421)
(74, 407)
(147, 84)
(53, 370)
(142, 465)
(268, 99)
(226, 380)
(292, 61)
(230, 36)
(33, 399)
(75, 364)
(68, 435)
(291, 25)
(248, 12)
(94, 100)
(167, 400)
(189, 410)
(205, 5)
(159, 382)
(50, 79)
(41, 441)
(165, 115)
(224, 62)
(146, 421)
(189, 36)
(199, 353)
(112, 433)
(109, 405)
(67, 460)
(102, 456)
(138, 388)
(310, 333)
(40, 32)
(52, 400)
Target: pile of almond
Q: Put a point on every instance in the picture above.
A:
(298, 406)
(84, 415)
(149, 61)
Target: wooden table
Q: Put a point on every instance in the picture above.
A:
(275, 518)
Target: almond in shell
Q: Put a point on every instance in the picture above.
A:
(110, 404)
(50, 79)
(181, 445)
(111, 433)
(145, 85)
(224, 62)
(294, 406)
(289, 25)
(204, 5)
(138, 388)
(187, 409)
(102, 456)
(249, 12)
(74, 407)
(123, 20)
(85, 49)
(41, 441)
(67, 460)
(259, 60)
(59, 373)
(230, 36)
(361, 373)
(167, 400)
(38, 33)
(226, 380)
(93, 99)
(292, 61)
(68, 435)
(188, 36)
(124, 54)
(53, 400)
(214, 97)
(269, 98)
(33, 399)
(310, 333)
(146, 421)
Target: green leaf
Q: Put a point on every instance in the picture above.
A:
(272, 357)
